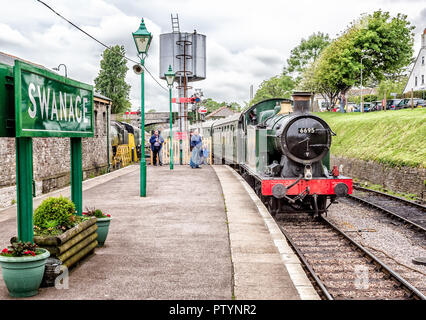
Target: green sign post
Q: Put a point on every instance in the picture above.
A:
(45, 105)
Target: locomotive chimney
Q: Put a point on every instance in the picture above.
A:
(301, 102)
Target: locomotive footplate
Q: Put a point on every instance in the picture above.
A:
(339, 186)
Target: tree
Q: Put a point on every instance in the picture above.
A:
(389, 86)
(212, 105)
(384, 42)
(111, 79)
(306, 53)
(275, 87)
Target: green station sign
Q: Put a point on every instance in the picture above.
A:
(49, 105)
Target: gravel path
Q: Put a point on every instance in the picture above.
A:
(388, 239)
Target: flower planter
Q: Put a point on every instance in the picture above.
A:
(103, 227)
(23, 275)
(73, 245)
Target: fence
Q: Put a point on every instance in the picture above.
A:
(186, 153)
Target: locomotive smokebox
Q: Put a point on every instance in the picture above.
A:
(302, 102)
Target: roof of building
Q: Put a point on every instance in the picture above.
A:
(10, 60)
(98, 95)
(222, 112)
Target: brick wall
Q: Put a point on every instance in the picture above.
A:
(397, 179)
(51, 159)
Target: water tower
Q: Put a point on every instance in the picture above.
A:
(186, 53)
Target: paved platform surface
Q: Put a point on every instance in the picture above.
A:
(173, 244)
(199, 234)
(265, 266)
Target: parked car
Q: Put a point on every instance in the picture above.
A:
(420, 103)
(368, 106)
(392, 103)
(379, 105)
(406, 103)
(325, 106)
(350, 107)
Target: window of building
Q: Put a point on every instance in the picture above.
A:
(423, 79)
(415, 81)
(423, 60)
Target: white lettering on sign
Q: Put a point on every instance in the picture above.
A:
(71, 111)
(85, 120)
(77, 102)
(32, 112)
(54, 107)
(44, 104)
(77, 111)
(63, 107)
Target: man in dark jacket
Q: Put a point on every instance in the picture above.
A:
(156, 145)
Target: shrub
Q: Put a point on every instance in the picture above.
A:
(53, 212)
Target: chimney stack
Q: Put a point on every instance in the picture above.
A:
(302, 101)
(424, 39)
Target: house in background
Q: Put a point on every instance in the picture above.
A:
(220, 113)
(417, 80)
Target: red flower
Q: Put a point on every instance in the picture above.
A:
(4, 250)
(108, 215)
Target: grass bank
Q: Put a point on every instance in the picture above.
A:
(395, 138)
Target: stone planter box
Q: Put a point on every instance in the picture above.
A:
(73, 245)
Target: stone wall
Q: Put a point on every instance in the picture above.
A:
(396, 179)
(51, 159)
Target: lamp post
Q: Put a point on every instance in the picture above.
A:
(142, 41)
(170, 78)
(362, 67)
(65, 67)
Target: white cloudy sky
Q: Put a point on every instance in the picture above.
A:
(247, 41)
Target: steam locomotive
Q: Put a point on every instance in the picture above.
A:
(282, 151)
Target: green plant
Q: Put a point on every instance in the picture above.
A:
(21, 249)
(13, 202)
(58, 211)
(93, 212)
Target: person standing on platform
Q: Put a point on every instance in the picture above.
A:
(156, 145)
(196, 144)
(342, 103)
(204, 154)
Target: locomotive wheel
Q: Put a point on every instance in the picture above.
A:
(321, 205)
(271, 205)
(258, 190)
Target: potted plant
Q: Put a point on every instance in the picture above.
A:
(67, 236)
(22, 266)
(103, 222)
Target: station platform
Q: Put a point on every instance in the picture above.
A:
(199, 234)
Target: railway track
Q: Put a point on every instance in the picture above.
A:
(342, 268)
(410, 213)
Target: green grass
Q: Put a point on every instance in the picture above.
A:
(396, 138)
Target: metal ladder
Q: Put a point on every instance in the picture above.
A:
(175, 23)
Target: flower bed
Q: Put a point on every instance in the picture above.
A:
(66, 236)
(103, 222)
(22, 267)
